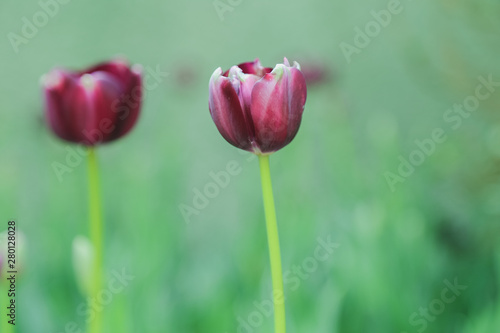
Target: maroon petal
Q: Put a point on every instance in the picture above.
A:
(56, 83)
(68, 108)
(118, 68)
(102, 90)
(243, 84)
(127, 106)
(255, 68)
(226, 111)
(278, 101)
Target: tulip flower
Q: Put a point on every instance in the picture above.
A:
(90, 107)
(259, 109)
(93, 106)
(255, 108)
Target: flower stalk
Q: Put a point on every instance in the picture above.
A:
(274, 245)
(96, 236)
(259, 109)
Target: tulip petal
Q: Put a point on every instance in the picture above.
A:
(278, 101)
(73, 109)
(118, 68)
(128, 105)
(255, 68)
(226, 111)
(102, 116)
(243, 84)
(57, 84)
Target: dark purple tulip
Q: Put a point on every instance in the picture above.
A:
(94, 106)
(256, 108)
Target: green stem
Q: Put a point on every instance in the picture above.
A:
(95, 216)
(274, 245)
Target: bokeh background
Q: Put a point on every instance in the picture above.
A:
(396, 245)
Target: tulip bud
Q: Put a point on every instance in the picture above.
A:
(83, 257)
(94, 106)
(255, 108)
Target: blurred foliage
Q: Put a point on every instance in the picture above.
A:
(396, 247)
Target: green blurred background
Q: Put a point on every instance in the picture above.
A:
(396, 246)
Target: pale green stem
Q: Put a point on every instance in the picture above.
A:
(95, 325)
(274, 246)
